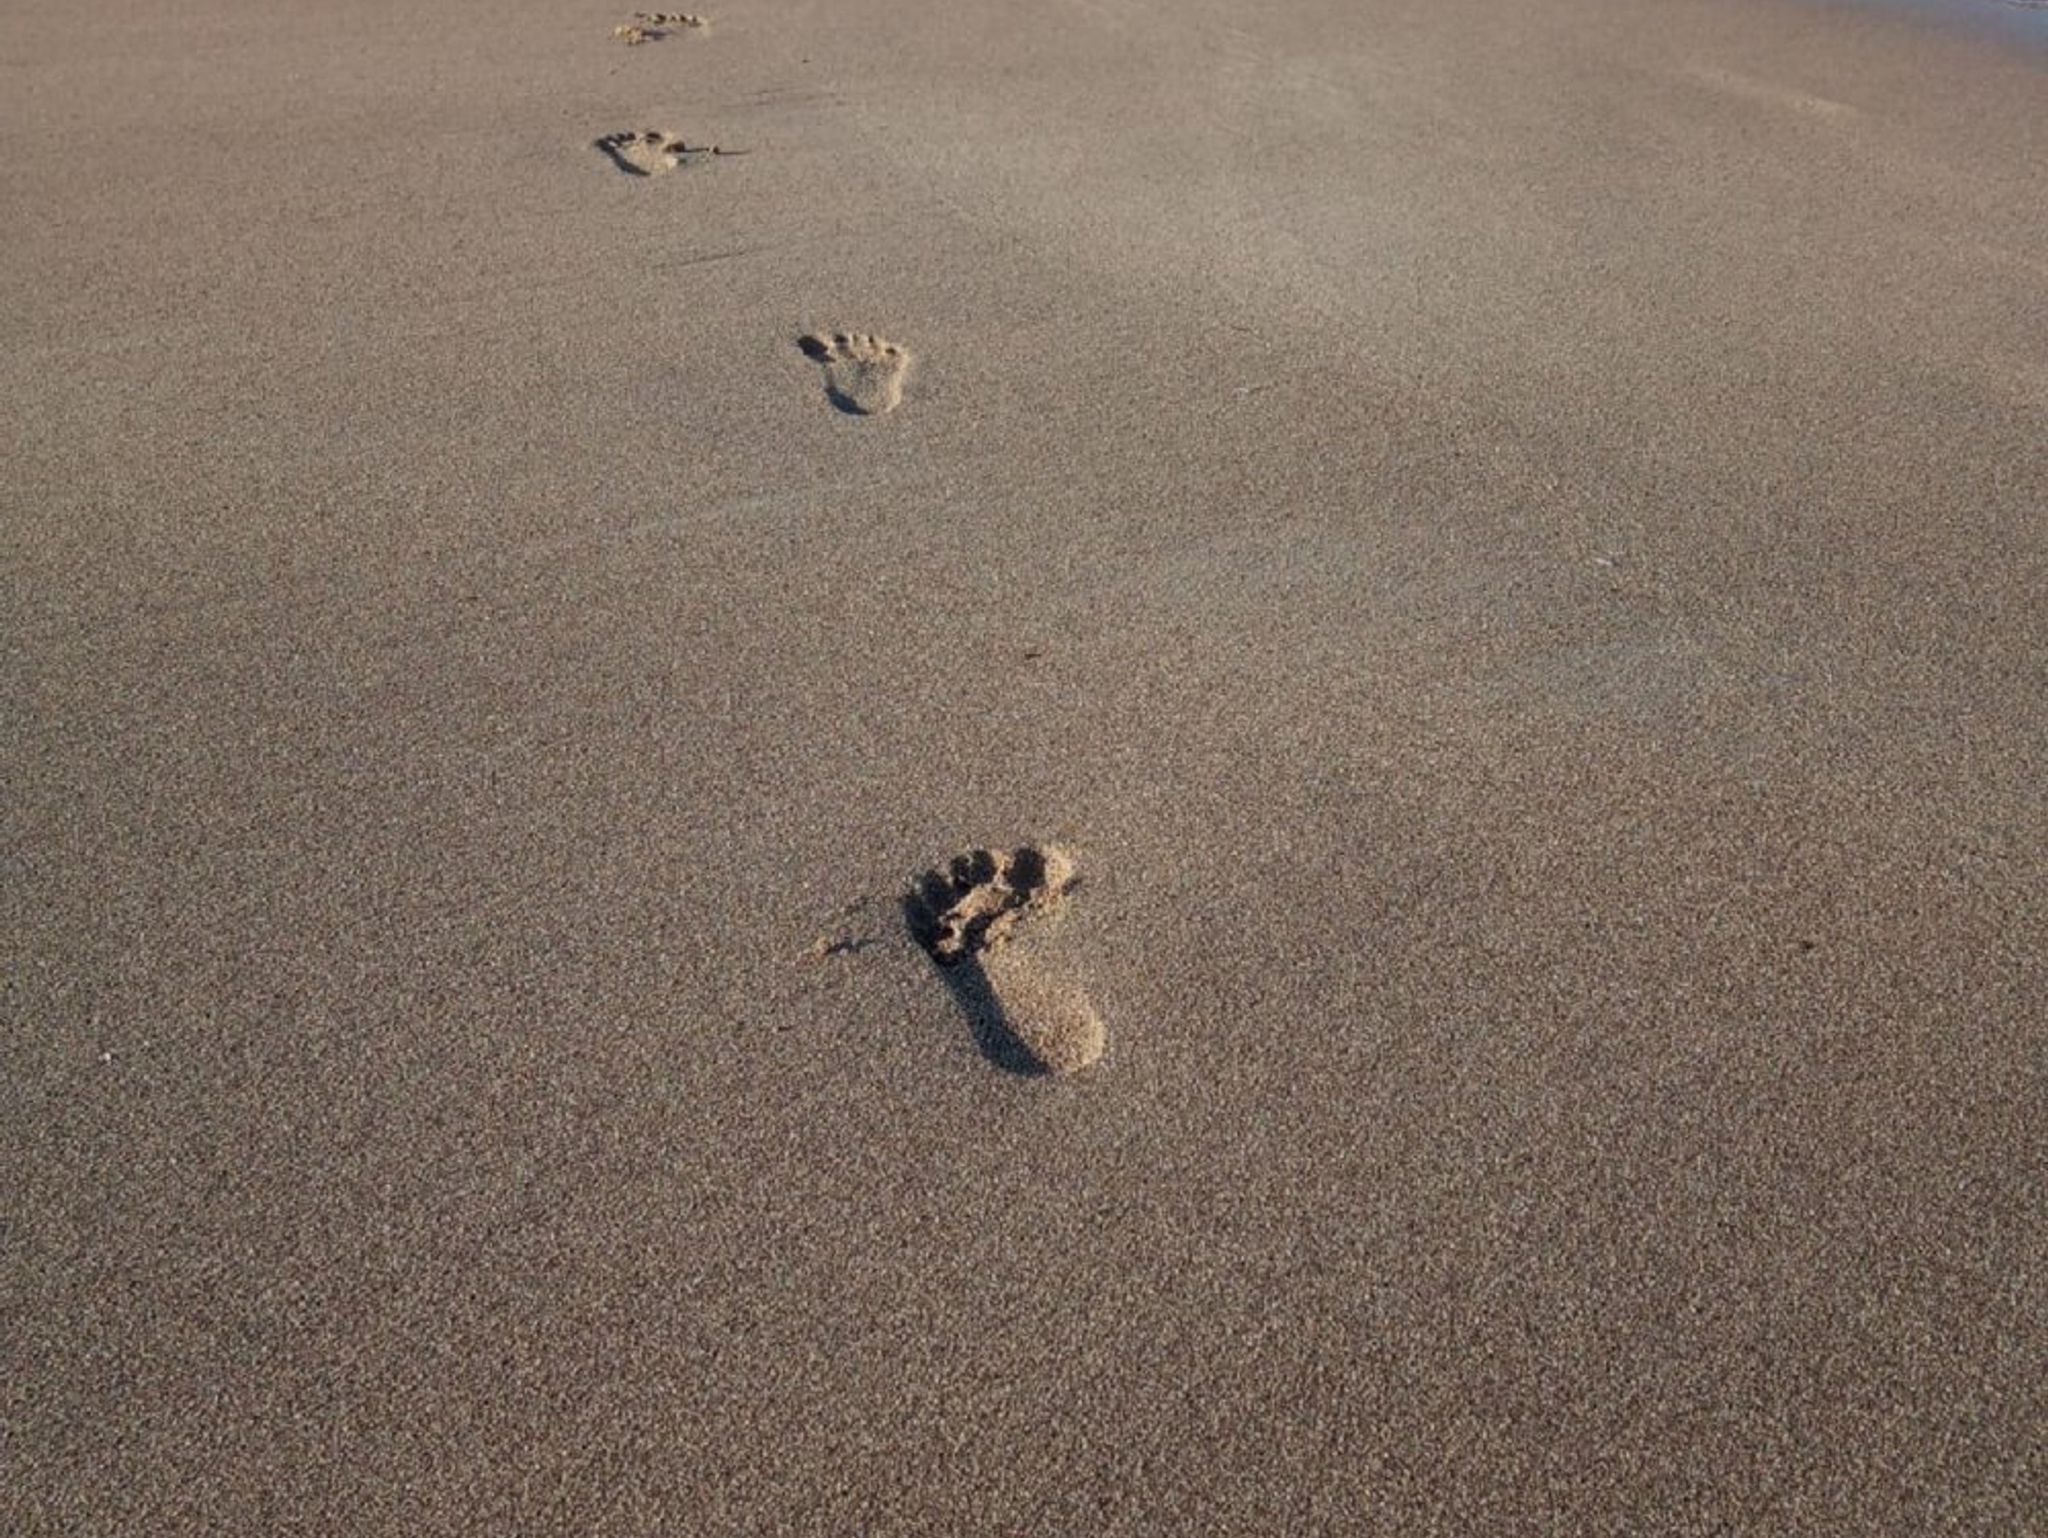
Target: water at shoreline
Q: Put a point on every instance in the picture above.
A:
(2024, 21)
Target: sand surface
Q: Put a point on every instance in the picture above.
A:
(1505, 541)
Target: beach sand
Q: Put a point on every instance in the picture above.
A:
(1505, 545)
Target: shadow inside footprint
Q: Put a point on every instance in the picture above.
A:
(962, 911)
(968, 984)
(966, 980)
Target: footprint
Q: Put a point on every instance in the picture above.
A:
(653, 153)
(863, 374)
(651, 27)
(975, 917)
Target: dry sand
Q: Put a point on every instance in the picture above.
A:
(1507, 541)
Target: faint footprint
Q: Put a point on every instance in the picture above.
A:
(652, 153)
(863, 374)
(652, 27)
(975, 917)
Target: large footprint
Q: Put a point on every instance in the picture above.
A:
(863, 374)
(653, 153)
(975, 917)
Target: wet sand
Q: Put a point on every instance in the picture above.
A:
(1506, 546)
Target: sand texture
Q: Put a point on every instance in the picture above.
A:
(1493, 556)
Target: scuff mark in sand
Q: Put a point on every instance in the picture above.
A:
(1753, 89)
